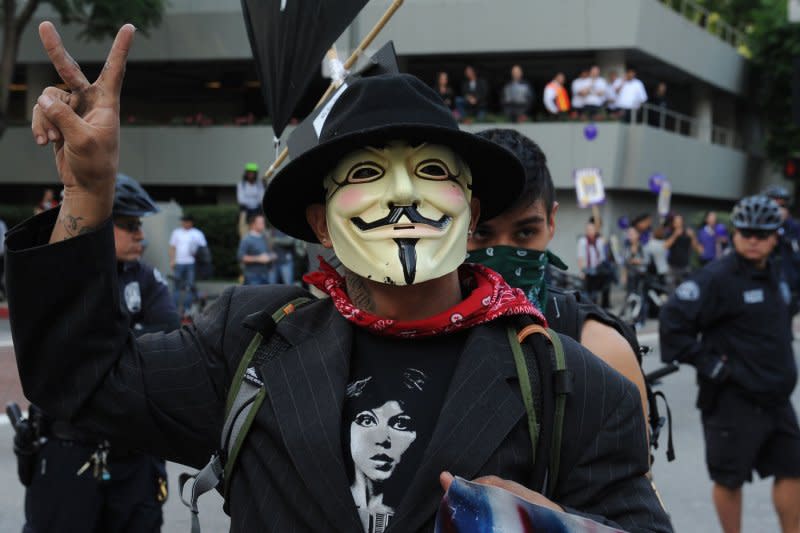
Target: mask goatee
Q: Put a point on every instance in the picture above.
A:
(408, 258)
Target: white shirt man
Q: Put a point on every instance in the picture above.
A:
(598, 88)
(579, 88)
(613, 86)
(632, 94)
(185, 241)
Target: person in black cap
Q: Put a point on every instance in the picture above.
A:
(394, 188)
(120, 489)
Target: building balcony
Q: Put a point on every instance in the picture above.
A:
(627, 155)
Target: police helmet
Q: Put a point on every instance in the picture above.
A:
(756, 212)
(777, 192)
(130, 199)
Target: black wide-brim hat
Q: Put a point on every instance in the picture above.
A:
(376, 110)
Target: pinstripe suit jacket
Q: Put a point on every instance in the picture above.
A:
(165, 394)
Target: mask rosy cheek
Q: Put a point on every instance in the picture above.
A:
(350, 198)
(454, 196)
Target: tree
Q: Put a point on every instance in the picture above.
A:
(99, 19)
(773, 44)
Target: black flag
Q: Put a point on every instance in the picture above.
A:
(306, 135)
(289, 39)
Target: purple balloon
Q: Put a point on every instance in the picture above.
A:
(590, 132)
(655, 182)
(720, 230)
(623, 222)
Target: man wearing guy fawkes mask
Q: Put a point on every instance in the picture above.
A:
(372, 398)
(514, 244)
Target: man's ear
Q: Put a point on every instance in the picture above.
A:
(315, 215)
(551, 223)
(475, 214)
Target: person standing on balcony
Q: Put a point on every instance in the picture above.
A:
(474, 92)
(657, 118)
(517, 96)
(613, 85)
(445, 91)
(631, 96)
(556, 98)
(580, 88)
(596, 91)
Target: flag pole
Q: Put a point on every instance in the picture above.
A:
(347, 65)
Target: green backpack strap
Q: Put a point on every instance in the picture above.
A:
(561, 387)
(245, 397)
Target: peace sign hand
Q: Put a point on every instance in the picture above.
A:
(83, 125)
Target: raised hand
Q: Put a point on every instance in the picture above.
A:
(83, 125)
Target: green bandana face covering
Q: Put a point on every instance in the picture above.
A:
(521, 268)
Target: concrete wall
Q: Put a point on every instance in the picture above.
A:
(626, 155)
(215, 30)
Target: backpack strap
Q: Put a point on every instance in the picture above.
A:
(555, 383)
(245, 397)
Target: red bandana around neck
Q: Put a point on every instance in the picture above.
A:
(490, 297)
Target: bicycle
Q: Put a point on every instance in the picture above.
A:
(648, 290)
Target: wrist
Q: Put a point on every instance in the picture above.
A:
(94, 207)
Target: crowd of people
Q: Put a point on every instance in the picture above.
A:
(590, 96)
(356, 410)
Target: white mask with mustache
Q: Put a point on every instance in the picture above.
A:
(399, 214)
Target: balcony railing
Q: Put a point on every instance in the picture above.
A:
(672, 121)
(710, 20)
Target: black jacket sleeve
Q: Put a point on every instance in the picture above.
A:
(160, 393)
(159, 310)
(693, 307)
(605, 456)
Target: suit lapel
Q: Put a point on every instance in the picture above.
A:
(305, 385)
(480, 410)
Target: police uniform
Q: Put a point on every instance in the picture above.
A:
(732, 322)
(788, 251)
(130, 500)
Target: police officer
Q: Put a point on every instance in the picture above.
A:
(82, 484)
(788, 248)
(731, 321)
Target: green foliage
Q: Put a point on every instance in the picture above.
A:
(219, 223)
(773, 45)
(102, 18)
(14, 214)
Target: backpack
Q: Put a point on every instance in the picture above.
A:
(544, 383)
(204, 265)
(566, 312)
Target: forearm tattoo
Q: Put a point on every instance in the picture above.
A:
(73, 226)
(359, 292)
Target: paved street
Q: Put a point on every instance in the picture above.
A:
(683, 483)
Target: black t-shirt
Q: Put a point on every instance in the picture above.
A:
(680, 251)
(393, 400)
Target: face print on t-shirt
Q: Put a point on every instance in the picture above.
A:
(382, 429)
(378, 439)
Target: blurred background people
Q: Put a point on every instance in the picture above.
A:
(474, 96)
(183, 245)
(517, 96)
(249, 192)
(556, 98)
(712, 237)
(254, 253)
(680, 244)
(445, 90)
